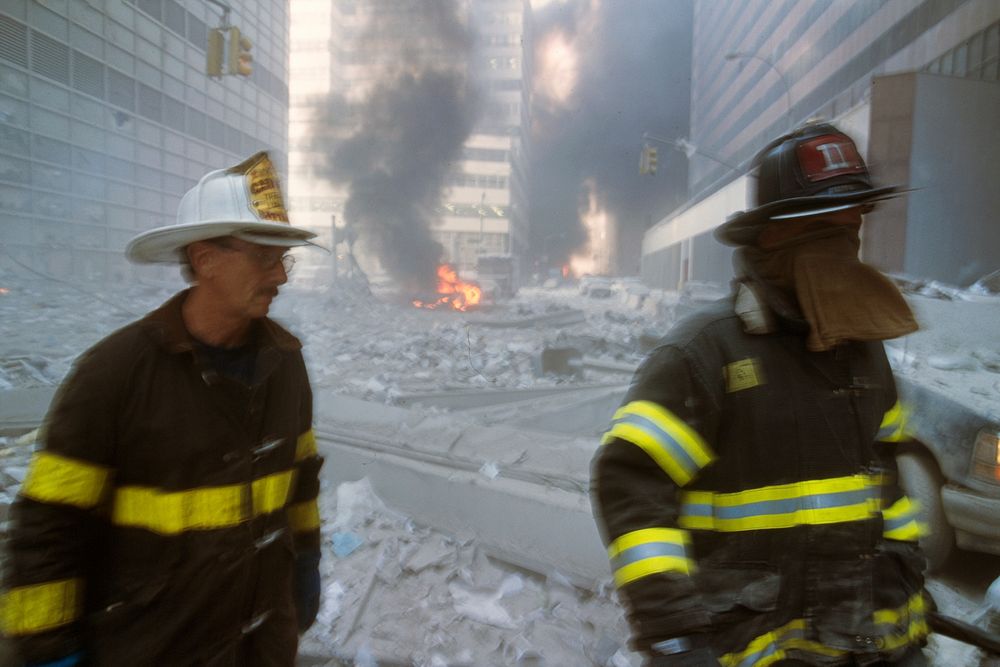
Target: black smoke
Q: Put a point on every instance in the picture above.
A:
(635, 66)
(410, 129)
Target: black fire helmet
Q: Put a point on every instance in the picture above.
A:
(813, 169)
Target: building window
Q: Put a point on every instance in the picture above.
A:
(49, 57)
(13, 42)
(121, 90)
(173, 16)
(150, 103)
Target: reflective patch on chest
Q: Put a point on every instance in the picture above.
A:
(743, 374)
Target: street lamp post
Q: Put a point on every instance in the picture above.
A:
(333, 245)
(739, 55)
(482, 212)
(686, 147)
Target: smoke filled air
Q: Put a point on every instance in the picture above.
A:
(410, 129)
(605, 73)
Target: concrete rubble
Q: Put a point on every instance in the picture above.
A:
(456, 524)
(409, 595)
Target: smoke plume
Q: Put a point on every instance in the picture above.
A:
(410, 127)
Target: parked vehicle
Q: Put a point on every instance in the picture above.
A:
(948, 374)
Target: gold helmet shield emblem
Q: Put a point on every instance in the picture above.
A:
(265, 191)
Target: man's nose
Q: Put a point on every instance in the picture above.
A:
(277, 274)
(282, 273)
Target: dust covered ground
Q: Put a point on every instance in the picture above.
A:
(396, 592)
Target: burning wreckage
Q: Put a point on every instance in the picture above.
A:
(452, 292)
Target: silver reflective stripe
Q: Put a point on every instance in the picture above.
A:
(648, 550)
(665, 440)
(772, 647)
(789, 505)
(697, 509)
(893, 524)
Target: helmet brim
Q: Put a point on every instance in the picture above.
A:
(165, 245)
(743, 227)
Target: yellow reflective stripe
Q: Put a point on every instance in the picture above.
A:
(811, 502)
(908, 621)
(893, 427)
(901, 521)
(305, 446)
(205, 508)
(303, 517)
(697, 510)
(58, 479)
(916, 605)
(171, 513)
(772, 647)
(645, 536)
(272, 492)
(810, 646)
(649, 551)
(914, 634)
(675, 446)
(649, 566)
(32, 609)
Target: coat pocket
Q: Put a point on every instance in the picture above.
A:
(736, 593)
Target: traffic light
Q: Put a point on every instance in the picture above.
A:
(648, 159)
(214, 52)
(240, 60)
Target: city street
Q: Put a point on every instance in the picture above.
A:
(404, 581)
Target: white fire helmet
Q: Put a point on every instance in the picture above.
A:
(243, 201)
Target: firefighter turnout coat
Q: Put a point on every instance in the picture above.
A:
(746, 493)
(159, 521)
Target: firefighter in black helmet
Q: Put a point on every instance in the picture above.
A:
(745, 488)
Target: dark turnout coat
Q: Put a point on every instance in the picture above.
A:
(159, 520)
(746, 493)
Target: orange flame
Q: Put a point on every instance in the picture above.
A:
(460, 294)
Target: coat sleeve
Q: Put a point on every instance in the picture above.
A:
(900, 515)
(59, 512)
(303, 510)
(657, 444)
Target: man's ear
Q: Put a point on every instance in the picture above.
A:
(201, 257)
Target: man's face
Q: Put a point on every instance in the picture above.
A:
(245, 276)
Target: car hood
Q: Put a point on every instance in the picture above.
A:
(956, 350)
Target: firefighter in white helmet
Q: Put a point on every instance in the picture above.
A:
(170, 516)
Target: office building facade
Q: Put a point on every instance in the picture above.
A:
(482, 207)
(108, 115)
(760, 68)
